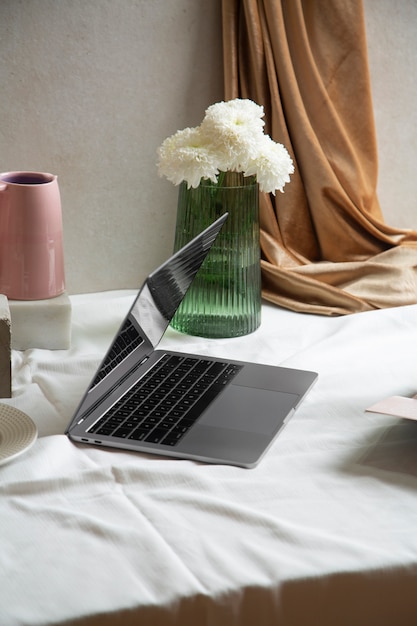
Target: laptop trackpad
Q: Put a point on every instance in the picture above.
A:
(248, 409)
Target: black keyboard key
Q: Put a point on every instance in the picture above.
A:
(122, 432)
(175, 435)
(138, 434)
(156, 436)
(103, 431)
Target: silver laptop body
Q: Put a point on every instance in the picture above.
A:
(177, 404)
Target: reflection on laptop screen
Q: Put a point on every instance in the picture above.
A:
(157, 302)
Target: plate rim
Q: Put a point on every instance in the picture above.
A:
(23, 420)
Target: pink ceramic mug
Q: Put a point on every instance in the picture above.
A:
(31, 241)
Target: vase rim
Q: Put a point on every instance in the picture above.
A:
(247, 181)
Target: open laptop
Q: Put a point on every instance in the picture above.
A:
(183, 405)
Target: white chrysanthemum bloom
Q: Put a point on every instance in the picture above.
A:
(235, 129)
(272, 166)
(230, 138)
(236, 115)
(187, 155)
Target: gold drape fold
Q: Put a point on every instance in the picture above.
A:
(325, 245)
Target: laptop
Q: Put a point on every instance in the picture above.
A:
(174, 404)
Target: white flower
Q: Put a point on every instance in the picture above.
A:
(187, 155)
(230, 138)
(235, 116)
(272, 166)
(235, 128)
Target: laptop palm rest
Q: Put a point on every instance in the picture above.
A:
(242, 407)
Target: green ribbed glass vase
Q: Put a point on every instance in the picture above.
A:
(224, 299)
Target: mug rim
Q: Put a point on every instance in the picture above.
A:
(26, 177)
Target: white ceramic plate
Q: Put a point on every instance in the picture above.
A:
(17, 433)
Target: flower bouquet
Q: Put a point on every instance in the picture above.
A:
(219, 167)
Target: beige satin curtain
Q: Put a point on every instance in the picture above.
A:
(325, 246)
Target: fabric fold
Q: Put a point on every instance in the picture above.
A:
(306, 63)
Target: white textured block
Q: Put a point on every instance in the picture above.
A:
(5, 349)
(41, 323)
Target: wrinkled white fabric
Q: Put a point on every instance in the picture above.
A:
(321, 532)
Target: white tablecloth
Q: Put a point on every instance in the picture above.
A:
(322, 532)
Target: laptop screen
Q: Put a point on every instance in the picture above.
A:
(158, 300)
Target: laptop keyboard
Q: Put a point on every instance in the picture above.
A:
(166, 402)
(127, 340)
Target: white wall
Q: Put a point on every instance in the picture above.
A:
(391, 28)
(90, 88)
